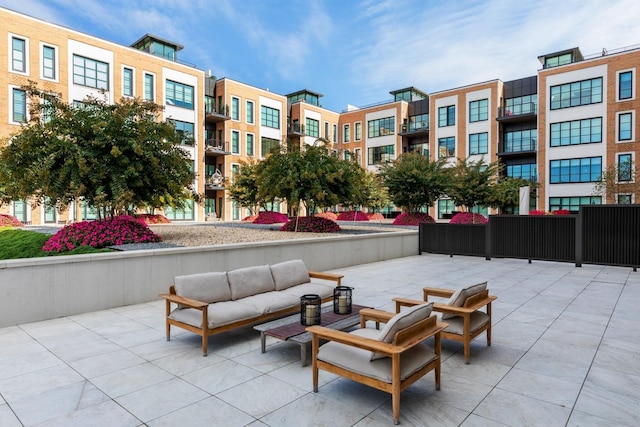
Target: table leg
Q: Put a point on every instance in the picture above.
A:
(263, 341)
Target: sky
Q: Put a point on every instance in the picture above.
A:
(356, 51)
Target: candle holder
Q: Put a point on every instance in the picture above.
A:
(342, 299)
(310, 308)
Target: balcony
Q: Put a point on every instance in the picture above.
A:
(296, 129)
(214, 181)
(216, 147)
(414, 129)
(518, 148)
(518, 113)
(216, 115)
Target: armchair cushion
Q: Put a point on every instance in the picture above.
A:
(461, 295)
(478, 320)
(400, 321)
(249, 281)
(289, 273)
(205, 287)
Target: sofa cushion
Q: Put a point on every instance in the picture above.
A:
(249, 281)
(400, 321)
(456, 324)
(205, 287)
(460, 296)
(219, 314)
(270, 302)
(324, 291)
(289, 273)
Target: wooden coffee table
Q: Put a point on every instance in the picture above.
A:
(289, 328)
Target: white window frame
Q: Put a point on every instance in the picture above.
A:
(11, 102)
(239, 119)
(246, 139)
(633, 127)
(26, 54)
(56, 62)
(253, 111)
(144, 83)
(344, 133)
(355, 134)
(133, 81)
(633, 84)
(236, 132)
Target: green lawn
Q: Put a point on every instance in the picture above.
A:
(15, 243)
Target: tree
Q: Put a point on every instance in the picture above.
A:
(618, 180)
(115, 157)
(472, 182)
(414, 182)
(245, 190)
(505, 194)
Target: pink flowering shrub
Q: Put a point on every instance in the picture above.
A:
(9, 221)
(376, 216)
(311, 224)
(153, 218)
(412, 218)
(468, 218)
(270, 217)
(560, 212)
(328, 215)
(353, 216)
(249, 218)
(100, 234)
(534, 212)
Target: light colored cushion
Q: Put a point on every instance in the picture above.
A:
(249, 281)
(205, 287)
(400, 321)
(270, 302)
(220, 313)
(461, 295)
(456, 324)
(289, 273)
(324, 291)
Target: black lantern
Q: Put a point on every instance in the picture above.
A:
(310, 308)
(342, 300)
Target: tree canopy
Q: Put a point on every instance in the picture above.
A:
(114, 157)
(472, 183)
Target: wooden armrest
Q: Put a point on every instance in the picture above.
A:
(379, 316)
(354, 340)
(191, 303)
(406, 302)
(327, 276)
(437, 292)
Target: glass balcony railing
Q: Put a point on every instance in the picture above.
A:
(524, 109)
(518, 145)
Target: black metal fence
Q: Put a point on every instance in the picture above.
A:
(607, 234)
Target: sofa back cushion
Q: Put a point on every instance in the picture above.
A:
(461, 295)
(249, 281)
(205, 287)
(289, 273)
(400, 321)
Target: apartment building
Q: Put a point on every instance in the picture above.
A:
(562, 126)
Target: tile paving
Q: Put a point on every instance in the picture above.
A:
(566, 352)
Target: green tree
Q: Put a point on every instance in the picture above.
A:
(472, 183)
(414, 182)
(505, 194)
(616, 180)
(245, 190)
(114, 157)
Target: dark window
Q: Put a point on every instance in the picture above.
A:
(572, 204)
(447, 116)
(446, 147)
(268, 144)
(313, 128)
(378, 155)
(574, 94)
(479, 110)
(576, 132)
(270, 117)
(479, 143)
(381, 127)
(624, 127)
(625, 167)
(586, 169)
(625, 85)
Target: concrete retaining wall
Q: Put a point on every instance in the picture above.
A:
(46, 288)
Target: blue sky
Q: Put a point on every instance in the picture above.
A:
(356, 51)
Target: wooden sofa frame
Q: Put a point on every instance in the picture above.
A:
(205, 331)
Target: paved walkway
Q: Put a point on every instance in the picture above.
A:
(566, 352)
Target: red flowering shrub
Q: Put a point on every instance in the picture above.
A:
(377, 216)
(353, 216)
(153, 218)
(560, 212)
(311, 224)
(270, 217)
(412, 218)
(100, 234)
(468, 218)
(534, 212)
(328, 215)
(9, 221)
(249, 218)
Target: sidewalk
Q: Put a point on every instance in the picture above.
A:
(566, 352)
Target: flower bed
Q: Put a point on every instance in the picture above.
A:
(270, 217)
(353, 216)
(412, 218)
(9, 221)
(468, 218)
(311, 224)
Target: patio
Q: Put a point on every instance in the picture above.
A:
(566, 352)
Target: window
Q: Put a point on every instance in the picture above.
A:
(586, 169)
(380, 127)
(250, 112)
(18, 55)
(185, 130)
(250, 144)
(378, 155)
(346, 132)
(127, 82)
(179, 95)
(572, 204)
(185, 214)
(527, 104)
(270, 117)
(313, 127)
(149, 89)
(576, 132)
(268, 145)
(524, 171)
(419, 122)
(49, 211)
(479, 143)
(90, 73)
(326, 131)
(625, 85)
(347, 155)
(446, 147)
(625, 167)
(235, 108)
(521, 140)
(445, 208)
(335, 133)
(479, 110)
(358, 131)
(49, 62)
(624, 199)
(19, 113)
(357, 154)
(574, 94)
(447, 116)
(624, 127)
(556, 61)
(235, 142)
